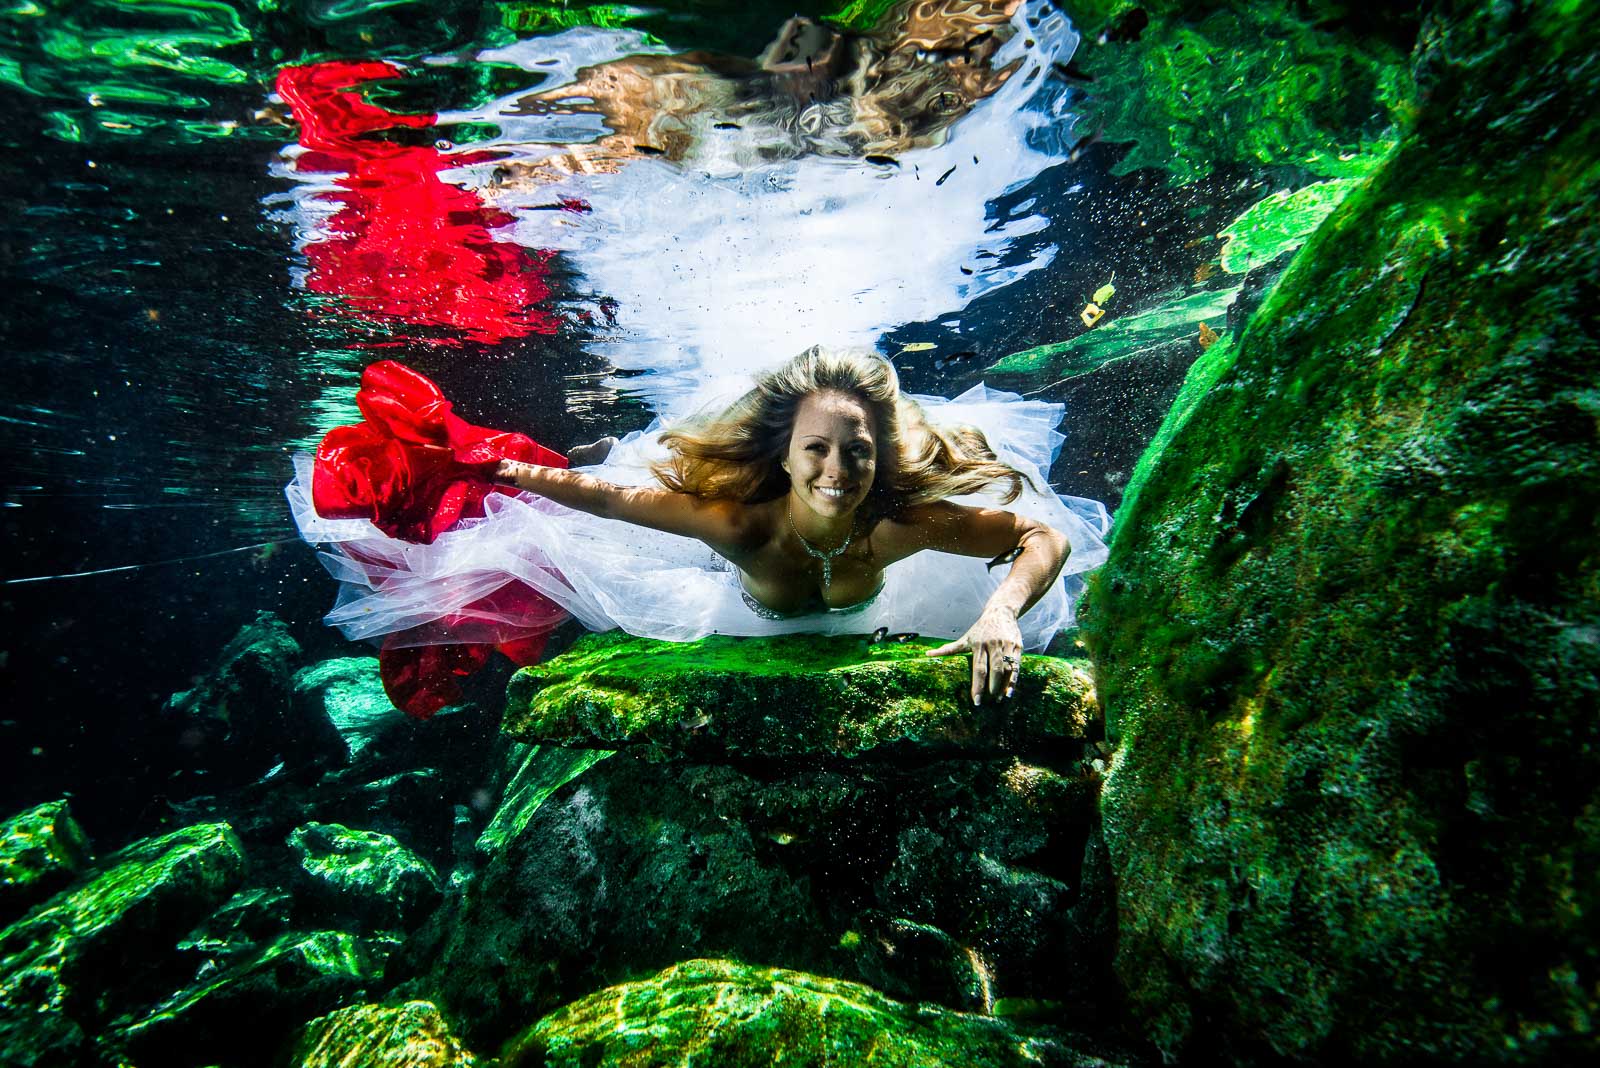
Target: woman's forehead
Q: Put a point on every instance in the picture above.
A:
(831, 414)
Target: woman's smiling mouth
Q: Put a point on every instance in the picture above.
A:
(833, 491)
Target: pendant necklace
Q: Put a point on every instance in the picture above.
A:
(825, 557)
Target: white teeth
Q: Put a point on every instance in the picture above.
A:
(828, 492)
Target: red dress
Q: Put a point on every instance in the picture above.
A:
(415, 469)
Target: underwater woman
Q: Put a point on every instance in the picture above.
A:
(822, 500)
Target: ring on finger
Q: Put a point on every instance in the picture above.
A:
(1009, 659)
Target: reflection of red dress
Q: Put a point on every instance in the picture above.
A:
(415, 469)
(406, 245)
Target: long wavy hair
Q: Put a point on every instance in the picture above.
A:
(738, 454)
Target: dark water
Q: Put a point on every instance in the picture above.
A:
(194, 279)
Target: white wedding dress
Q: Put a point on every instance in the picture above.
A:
(609, 574)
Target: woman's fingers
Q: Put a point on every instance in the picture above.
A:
(980, 674)
(958, 646)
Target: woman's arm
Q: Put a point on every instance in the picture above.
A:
(994, 640)
(724, 525)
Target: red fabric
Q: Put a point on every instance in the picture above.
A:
(413, 466)
(421, 679)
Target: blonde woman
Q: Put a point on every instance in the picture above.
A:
(823, 500)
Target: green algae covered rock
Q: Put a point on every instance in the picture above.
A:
(240, 1014)
(1350, 627)
(41, 850)
(785, 697)
(366, 874)
(349, 693)
(64, 966)
(412, 1035)
(713, 1013)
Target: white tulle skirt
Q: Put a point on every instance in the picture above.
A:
(609, 574)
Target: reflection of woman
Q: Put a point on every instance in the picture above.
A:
(805, 506)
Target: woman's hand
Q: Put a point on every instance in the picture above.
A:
(995, 642)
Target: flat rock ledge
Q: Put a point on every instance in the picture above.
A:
(801, 696)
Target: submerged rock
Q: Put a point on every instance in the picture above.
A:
(1350, 628)
(349, 693)
(241, 1014)
(41, 850)
(413, 1035)
(808, 803)
(69, 964)
(366, 875)
(713, 1013)
(788, 697)
(240, 720)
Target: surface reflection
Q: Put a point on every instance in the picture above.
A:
(387, 232)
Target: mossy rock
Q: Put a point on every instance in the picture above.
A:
(412, 1035)
(41, 850)
(366, 874)
(71, 962)
(792, 696)
(1349, 632)
(949, 880)
(241, 1014)
(720, 1013)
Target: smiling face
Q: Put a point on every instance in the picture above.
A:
(833, 454)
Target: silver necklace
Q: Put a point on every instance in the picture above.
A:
(825, 557)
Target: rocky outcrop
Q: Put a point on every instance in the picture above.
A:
(412, 1035)
(241, 720)
(41, 851)
(365, 875)
(1348, 631)
(813, 803)
(719, 1013)
(68, 964)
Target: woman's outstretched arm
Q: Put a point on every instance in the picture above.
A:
(724, 525)
(994, 639)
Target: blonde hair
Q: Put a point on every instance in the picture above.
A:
(737, 455)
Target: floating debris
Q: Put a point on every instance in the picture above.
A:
(917, 346)
(1208, 336)
(946, 174)
(695, 721)
(1204, 271)
(882, 635)
(953, 358)
(1092, 314)
(1104, 294)
(888, 161)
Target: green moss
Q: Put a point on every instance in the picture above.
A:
(785, 696)
(40, 850)
(412, 1035)
(367, 873)
(62, 963)
(711, 1013)
(1340, 627)
(295, 976)
(539, 772)
(1280, 222)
